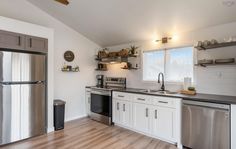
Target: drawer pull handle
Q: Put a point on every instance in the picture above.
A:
(155, 114)
(163, 102)
(146, 112)
(19, 40)
(30, 42)
(121, 96)
(124, 107)
(118, 106)
(141, 99)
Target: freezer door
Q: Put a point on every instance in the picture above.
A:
(22, 112)
(18, 67)
(10, 66)
(33, 67)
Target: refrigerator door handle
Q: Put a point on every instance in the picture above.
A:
(18, 83)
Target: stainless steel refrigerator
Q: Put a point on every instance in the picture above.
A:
(22, 96)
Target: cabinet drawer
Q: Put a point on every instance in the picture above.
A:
(121, 96)
(142, 99)
(164, 101)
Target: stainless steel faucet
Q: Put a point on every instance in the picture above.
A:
(161, 75)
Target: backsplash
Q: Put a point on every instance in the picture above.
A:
(212, 80)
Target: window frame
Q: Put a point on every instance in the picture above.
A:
(165, 49)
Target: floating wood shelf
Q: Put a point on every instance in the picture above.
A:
(70, 70)
(129, 68)
(215, 64)
(101, 69)
(218, 45)
(114, 59)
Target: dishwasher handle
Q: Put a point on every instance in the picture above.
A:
(207, 104)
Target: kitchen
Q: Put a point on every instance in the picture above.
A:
(217, 81)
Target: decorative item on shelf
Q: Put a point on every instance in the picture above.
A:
(214, 44)
(124, 53)
(69, 56)
(205, 61)
(128, 66)
(69, 68)
(101, 67)
(133, 50)
(227, 61)
(113, 54)
(103, 53)
(206, 43)
(224, 61)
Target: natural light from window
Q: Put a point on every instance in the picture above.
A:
(175, 63)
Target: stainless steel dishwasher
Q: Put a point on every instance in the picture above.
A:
(205, 125)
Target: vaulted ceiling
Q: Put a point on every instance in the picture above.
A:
(112, 22)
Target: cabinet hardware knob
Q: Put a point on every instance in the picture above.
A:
(155, 114)
(118, 106)
(19, 40)
(141, 99)
(146, 112)
(163, 102)
(30, 42)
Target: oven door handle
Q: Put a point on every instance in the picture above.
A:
(101, 93)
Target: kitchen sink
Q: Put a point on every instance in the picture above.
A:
(160, 92)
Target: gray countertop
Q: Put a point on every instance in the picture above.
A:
(198, 97)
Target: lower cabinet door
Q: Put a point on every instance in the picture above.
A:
(116, 111)
(88, 101)
(163, 123)
(141, 117)
(125, 111)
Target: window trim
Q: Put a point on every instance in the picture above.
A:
(165, 49)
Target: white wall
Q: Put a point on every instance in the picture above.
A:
(67, 86)
(213, 80)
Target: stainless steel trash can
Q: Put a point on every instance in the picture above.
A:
(59, 114)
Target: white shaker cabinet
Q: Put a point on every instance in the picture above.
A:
(88, 100)
(163, 122)
(116, 111)
(122, 110)
(141, 120)
(233, 126)
(125, 113)
(155, 116)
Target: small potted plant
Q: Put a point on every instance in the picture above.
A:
(133, 50)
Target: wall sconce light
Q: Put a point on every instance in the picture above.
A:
(164, 39)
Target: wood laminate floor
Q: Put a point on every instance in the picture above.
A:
(88, 134)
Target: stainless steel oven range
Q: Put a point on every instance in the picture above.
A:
(101, 99)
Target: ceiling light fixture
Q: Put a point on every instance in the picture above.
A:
(164, 39)
(65, 2)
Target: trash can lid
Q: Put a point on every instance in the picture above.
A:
(58, 102)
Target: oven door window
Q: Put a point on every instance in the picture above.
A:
(101, 104)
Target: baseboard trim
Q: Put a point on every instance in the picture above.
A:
(76, 117)
(51, 129)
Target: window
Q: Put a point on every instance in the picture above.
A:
(174, 63)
